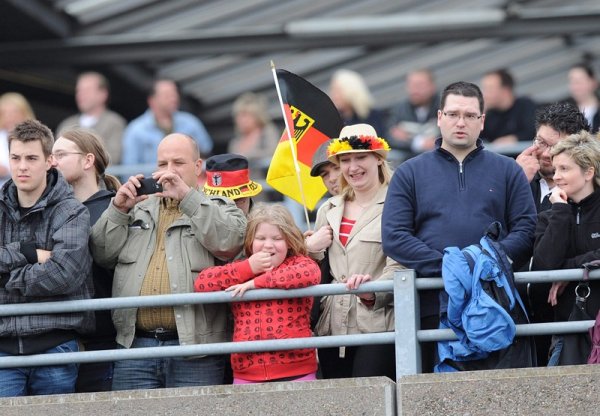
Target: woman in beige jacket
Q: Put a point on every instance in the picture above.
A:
(355, 254)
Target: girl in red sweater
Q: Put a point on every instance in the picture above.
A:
(276, 259)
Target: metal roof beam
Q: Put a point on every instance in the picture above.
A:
(132, 48)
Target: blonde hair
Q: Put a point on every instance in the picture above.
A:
(385, 176)
(89, 142)
(254, 104)
(584, 149)
(280, 217)
(18, 101)
(354, 90)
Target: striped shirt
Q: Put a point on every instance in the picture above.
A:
(346, 229)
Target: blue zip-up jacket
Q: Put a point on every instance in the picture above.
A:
(434, 202)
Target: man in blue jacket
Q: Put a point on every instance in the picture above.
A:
(449, 196)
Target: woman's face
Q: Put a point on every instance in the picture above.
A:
(68, 158)
(571, 178)
(581, 86)
(361, 170)
(246, 122)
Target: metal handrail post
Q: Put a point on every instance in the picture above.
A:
(407, 322)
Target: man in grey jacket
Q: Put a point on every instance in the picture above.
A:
(158, 244)
(44, 257)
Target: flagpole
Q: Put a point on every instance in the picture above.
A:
(292, 145)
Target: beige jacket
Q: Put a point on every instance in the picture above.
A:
(363, 254)
(208, 228)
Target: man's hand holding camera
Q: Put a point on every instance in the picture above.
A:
(172, 185)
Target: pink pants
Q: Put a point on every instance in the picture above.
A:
(308, 377)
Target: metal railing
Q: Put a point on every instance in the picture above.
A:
(407, 336)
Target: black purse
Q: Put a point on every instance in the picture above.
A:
(577, 347)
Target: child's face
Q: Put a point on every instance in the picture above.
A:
(268, 238)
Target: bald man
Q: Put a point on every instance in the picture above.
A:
(157, 244)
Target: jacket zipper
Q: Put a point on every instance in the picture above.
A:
(461, 176)
(578, 212)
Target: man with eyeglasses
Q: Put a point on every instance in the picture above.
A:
(449, 196)
(552, 123)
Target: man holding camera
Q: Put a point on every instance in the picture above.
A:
(158, 244)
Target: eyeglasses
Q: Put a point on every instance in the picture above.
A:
(61, 155)
(468, 117)
(541, 144)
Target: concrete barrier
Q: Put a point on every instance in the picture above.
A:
(369, 396)
(573, 390)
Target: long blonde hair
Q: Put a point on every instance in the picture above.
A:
(280, 217)
(354, 90)
(18, 101)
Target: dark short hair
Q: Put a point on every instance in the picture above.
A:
(32, 130)
(152, 88)
(103, 83)
(585, 68)
(564, 117)
(466, 89)
(506, 78)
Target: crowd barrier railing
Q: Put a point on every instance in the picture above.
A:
(407, 336)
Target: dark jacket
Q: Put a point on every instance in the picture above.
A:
(59, 223)
(434, 202)
(567, 236)
(103, 278)
(519, 120)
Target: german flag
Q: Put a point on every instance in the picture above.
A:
(313, 119)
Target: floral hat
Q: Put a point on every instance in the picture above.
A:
(357, 138)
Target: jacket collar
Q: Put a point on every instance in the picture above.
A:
(334, 215)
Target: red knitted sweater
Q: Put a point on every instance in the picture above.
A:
(268, 319)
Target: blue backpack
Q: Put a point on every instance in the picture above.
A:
(482, 306)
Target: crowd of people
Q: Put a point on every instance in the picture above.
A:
(71, 231)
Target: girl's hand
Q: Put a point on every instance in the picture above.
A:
(354, 281)
(558, 196)
(555, 291)
(240, 288)
(260, 262)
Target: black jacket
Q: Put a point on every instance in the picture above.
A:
(568, 235)
(103, 278)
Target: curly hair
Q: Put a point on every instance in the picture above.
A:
(564, 117)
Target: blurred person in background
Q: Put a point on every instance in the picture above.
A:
(91, 95)
(14, 109)
(583, 87)
(143, 134)
(413, 123)
(351, 96)
(508, 119)
(255, 135)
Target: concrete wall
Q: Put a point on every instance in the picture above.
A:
(537, 391)
(368, 396)
(573, 390)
